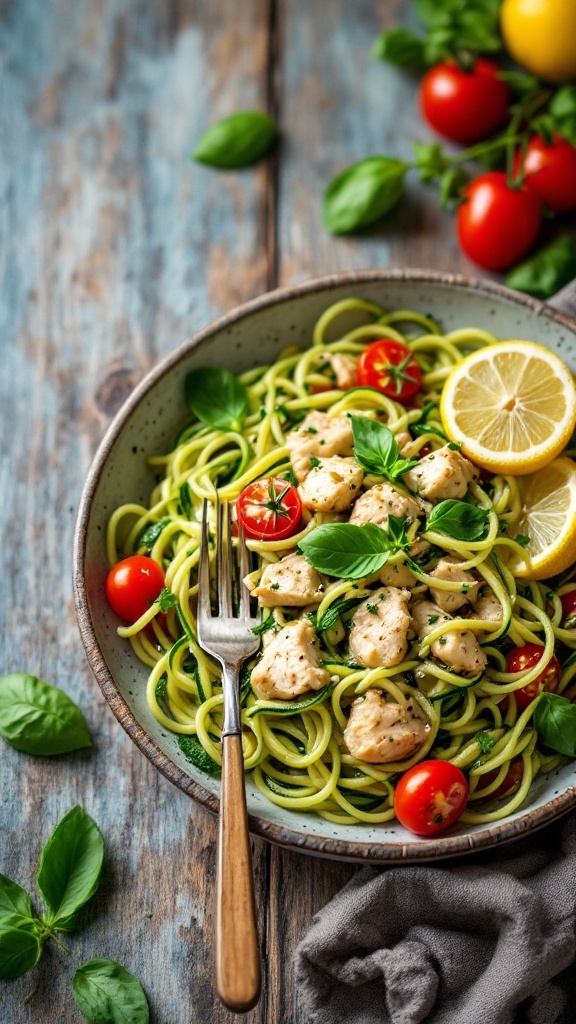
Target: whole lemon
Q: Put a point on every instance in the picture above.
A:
(541, 36)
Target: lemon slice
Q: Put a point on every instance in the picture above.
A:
(512, 405)
(548, 519)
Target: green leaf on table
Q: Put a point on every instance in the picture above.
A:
(14, 901)
(20, 947)
(194, 752)
(376, 449)
(458, 519)
(70, 868)
(40, 719)
(217, 397)
(547, 271)
(348, 551)
(237, 141)
(401, 47)
(555, 720)
(363, 193)
(107, 993)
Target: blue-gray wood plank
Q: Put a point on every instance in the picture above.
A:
(114, 247)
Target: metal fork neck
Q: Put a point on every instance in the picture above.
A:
(232, 722)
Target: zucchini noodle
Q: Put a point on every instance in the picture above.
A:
(295, 749)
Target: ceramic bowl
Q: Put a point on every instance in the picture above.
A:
(148, 423)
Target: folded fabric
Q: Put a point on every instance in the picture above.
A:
(486, 940)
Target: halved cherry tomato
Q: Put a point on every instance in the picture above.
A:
(550, 170)
(568, 601)
(522, 658)
(133, 585)
(510, 783)
(465, 106)
(430, 796)
(390, 367)
(497, 225)
(269, 509)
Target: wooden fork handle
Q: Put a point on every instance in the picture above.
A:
(238, 976)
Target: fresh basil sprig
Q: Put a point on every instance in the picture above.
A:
(555, 720)
(376, 449)
(217, 397)
(107, 993)
(458, 519)
(453, 28)
(353, 552)
(363, 193)
(40, 719)
(547, 271)
(237, 140)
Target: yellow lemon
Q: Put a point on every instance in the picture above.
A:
(512, 405)
(541, 36)
(548, 519)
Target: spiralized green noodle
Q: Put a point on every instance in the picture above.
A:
(297, 755)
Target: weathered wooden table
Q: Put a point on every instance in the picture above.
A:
(115, 246)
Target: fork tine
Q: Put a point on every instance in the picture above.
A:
(204, 567)
(244, 570)
(224, 566)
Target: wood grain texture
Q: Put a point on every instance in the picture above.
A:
(114, 248)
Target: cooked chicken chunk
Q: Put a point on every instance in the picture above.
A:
(397, 574)
(487, 606)
(379, 730)
(448, 570)
(344, 368)
(404, 441)
(376, 504)
(443, 474)
(292, 581)
(459, 650)
(380, 626)
(318, 436)
(290, 663)
(332, 485)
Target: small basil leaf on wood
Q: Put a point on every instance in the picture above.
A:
(347, 551)
(236, 141)
(20, 947)
(363, 193)
(376, 449)
(555, 720)
(40, 719)
(216, 397)
(547, 271)
(14, 901)
(194, 752)
(70, 868)
(106, 993)
(458, 519)
(401, 47)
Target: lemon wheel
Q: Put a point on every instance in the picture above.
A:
(548, 519)
(512, 406)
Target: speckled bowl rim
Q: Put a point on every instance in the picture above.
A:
(339, 849)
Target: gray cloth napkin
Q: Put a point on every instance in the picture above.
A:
(486, 940)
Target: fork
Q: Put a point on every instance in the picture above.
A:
(228, 639)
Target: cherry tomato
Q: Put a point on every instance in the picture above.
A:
(430, 796)
(522, 658)
(465, 106)
(510, 783)
(133, 585)
(550, 171)
(497, 225)
(568, 601)
(390, 367)
(269, 509)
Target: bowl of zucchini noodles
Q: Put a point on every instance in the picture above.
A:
(311, 785)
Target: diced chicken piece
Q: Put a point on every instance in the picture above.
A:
(332, 485)
(290, 663)
(380, 627)
(487, 606)
(379, 730)
(344, 368)
(377, 503)
(318, 436)
(459, 650)
(451, 600)
(404, 441)
(442, 474)
(292, 581)
(397, 574)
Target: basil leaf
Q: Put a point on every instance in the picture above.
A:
(483, 739)
(458, 519)
(555, 720)
(194, 752)
(363, 193)
(166, 599)
(107, 993)
(40, 719)
(150, 534)
(14, 901)
(347, 551)
(70, 868)
(401, 47)
(547, 271)
(376, 449)
(237, 140)
(20, 947)
(217, 397)
(335, 612)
